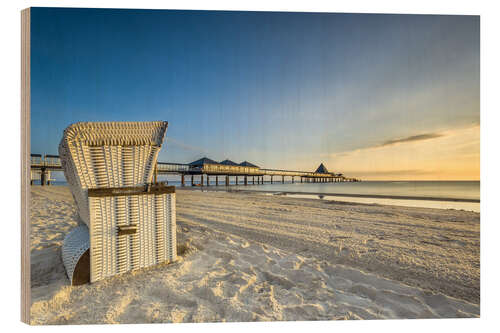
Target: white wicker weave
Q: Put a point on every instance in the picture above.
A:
(153, 243)
(109, 154)
(74, 246)
(114, 155)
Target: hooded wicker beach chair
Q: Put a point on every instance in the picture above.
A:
(127, 222)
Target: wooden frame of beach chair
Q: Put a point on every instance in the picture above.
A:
(128, 222)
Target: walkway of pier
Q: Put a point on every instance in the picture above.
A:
(200, 172)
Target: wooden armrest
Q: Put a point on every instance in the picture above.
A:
(127, 229)
(159, 188)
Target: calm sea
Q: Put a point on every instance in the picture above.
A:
(423, 189)
(406, 193)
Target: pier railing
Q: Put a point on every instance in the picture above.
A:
(45, 164)
(36, 160)
(230, 170)
(52, 161)
(277, 172)
(172, 167)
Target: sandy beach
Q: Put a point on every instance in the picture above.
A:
(256, 257)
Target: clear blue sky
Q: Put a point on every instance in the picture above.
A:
(282, 90)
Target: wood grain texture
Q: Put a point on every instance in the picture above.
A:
(25, 168)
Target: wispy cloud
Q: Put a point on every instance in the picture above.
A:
(184, 146)
(389, 172)
(412, 138)
(449, 154)
(392, 142)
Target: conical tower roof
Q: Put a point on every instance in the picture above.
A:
(321, 169)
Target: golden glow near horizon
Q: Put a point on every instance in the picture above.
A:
(451, 155)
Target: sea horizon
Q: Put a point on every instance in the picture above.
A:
(443, 194)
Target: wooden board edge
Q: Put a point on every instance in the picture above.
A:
(25, 168)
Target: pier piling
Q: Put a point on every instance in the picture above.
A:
(43, 176)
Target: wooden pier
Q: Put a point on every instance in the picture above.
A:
(42, 166)
(202, 171)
